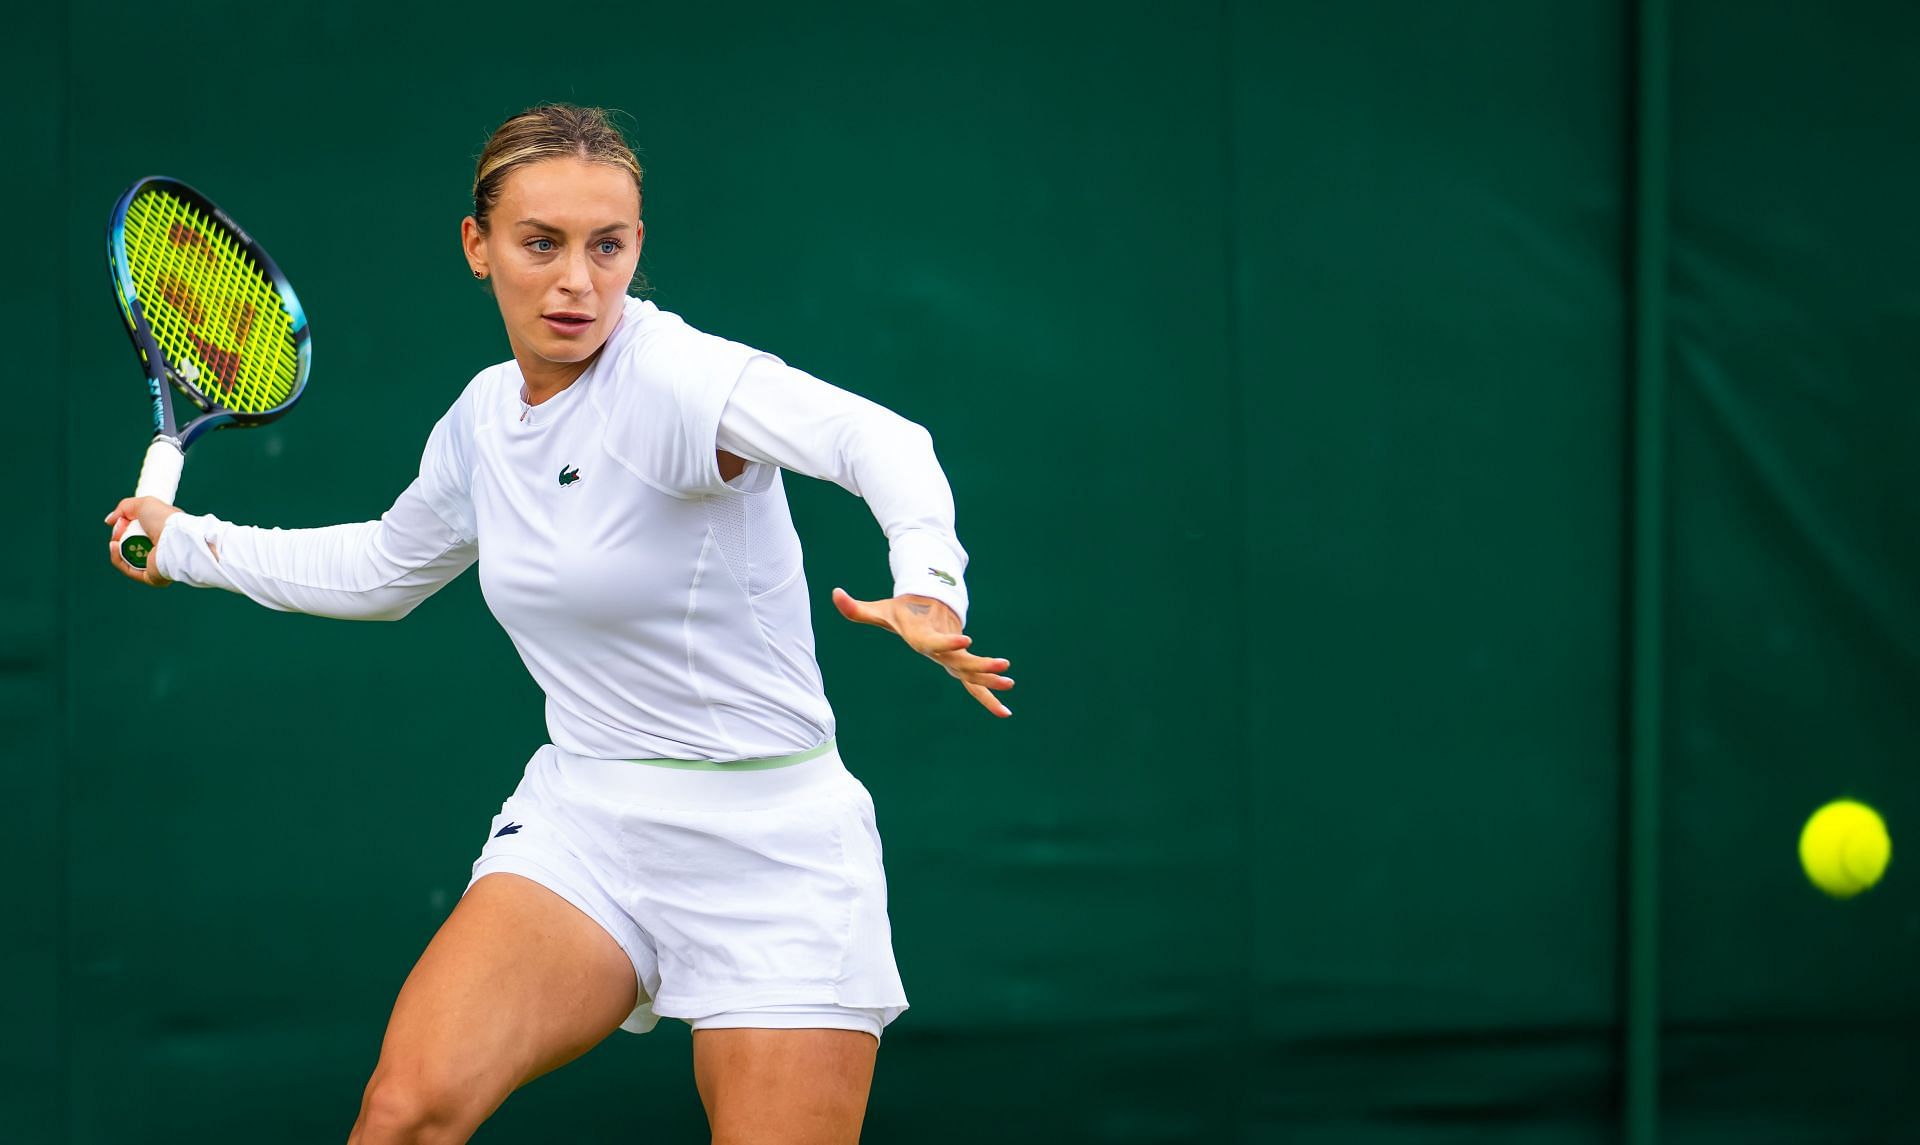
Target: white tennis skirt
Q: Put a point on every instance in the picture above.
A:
(746, 894)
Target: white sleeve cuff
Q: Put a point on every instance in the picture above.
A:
(185, 551)
(925, 564)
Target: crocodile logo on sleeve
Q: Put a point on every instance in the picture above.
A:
(569, 475)
(943, 575)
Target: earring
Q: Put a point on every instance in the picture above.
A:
(477, 274)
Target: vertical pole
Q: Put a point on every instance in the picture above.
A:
(1647, 462)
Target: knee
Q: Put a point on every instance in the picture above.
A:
(412, 1107)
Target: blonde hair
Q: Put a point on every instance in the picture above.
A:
(549, 131)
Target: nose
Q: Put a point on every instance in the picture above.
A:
(574, 279)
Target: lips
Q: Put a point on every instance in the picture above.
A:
(567, 321)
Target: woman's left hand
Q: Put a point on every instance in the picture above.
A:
(932, 629)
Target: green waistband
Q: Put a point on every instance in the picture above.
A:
(767, 764)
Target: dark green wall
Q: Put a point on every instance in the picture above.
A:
(1428, 247)
(1794, 649)
(1280, 358)
(34, 320)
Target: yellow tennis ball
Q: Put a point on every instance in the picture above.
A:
(1844, 848)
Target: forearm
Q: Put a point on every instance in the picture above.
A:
(372, 570)
(785, 417)
(890, 463)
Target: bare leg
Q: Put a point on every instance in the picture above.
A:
(784, 1087)
(517, 982)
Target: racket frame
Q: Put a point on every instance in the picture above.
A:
(160, 472)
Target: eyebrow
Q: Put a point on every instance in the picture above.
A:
(562, 230)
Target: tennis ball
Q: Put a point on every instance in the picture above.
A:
(1844, 848)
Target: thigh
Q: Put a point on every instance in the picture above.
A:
(517, 982)
(784, 1087)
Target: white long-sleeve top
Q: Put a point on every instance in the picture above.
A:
(662, 609)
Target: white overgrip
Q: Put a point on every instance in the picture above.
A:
(159, 478)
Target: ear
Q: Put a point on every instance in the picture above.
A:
(474, 243)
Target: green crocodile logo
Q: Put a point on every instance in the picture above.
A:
(945, 576)
(569, 476)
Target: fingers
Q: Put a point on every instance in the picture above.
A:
(966, 664)
(129, 508)
(950, 652)
(123, 516)
(990, 701)
(938, 644)
(914, 620)
(859, 611)
(120, 523)
(981, 677)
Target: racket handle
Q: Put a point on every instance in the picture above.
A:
(159, 477)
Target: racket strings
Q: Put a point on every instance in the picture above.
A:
(209, 306)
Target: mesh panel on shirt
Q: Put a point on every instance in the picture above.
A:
(755, 536)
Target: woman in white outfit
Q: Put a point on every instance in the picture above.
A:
(690, 844)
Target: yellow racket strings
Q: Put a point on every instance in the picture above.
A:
(209, 305)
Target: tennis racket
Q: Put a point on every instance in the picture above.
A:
(211, 316)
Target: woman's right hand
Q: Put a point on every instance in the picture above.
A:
(152, 513)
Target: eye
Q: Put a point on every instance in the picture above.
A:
(611, 246)
(539, 249)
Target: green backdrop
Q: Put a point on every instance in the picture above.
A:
(1361, 418)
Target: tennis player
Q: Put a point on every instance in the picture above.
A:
(690, 845)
